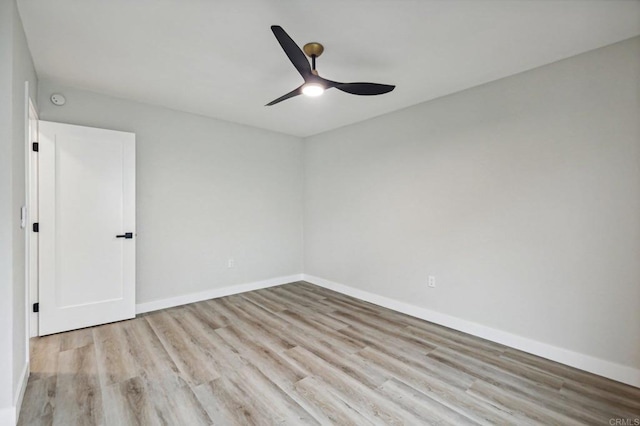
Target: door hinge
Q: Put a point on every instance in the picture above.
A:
(35, 146)
(36, 227)
(36, 307)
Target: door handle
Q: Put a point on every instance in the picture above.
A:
(126, 235)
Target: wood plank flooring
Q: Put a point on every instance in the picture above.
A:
(300, 354)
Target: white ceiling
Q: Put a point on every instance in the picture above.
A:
(219, 58)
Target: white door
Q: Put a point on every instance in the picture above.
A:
(86, 226)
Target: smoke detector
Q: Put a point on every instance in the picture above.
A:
(58, 99)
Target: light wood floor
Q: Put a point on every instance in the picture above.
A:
(300, 354)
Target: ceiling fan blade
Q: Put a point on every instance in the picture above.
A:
(295, 54)
(291, 94)
(365, 89)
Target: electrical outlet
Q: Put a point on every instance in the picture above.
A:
(432, 281)
(231, 263)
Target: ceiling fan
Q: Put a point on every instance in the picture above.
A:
(314, 85)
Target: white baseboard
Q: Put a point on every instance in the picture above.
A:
(608, 369)
(22, 387)
(9, 415)
(214, 293)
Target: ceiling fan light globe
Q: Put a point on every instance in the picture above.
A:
(312, 89)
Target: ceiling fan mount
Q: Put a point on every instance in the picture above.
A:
(314, 85)
(313, 49)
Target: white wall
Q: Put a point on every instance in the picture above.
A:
(521, 196)
(23, 70)
(6, 220)
(16, 67)
(207, 190)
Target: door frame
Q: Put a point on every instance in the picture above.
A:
(31, 200)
